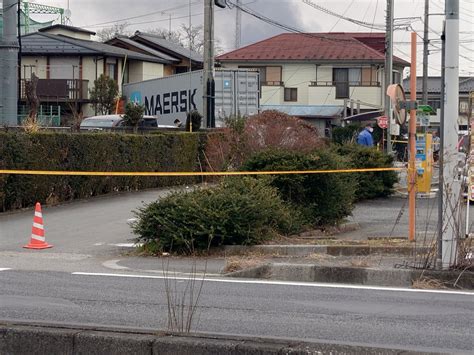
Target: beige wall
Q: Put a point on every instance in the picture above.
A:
(298, 76)
(152, 71)
(135, 71)
(40, 65)
(72, 34)
(271, 95)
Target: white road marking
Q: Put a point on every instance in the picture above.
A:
(131, 220)
(112, 264)
(98, 244)
(5, 269)
(284, 283)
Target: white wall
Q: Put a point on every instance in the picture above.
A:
(152, 71)
(298, 76)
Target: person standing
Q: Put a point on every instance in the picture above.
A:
(365, 136)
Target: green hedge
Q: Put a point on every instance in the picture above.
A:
(240, 210)
(369, 184)
(324, 199)
(90, 152)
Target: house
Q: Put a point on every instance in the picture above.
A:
(67, 61)
(321, 77)
(180, 59)
(466, 86)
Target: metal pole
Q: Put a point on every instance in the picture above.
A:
(208, 60)
(9, 62)
(238, 25)
(439, 254)
(425, 54)
(388, 69)
(412, 145)
(451, 177)
(19, 51)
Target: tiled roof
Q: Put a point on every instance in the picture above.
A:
(466, 84)
(39, 43)
(141, 47)
(165, 45)
(367, 47)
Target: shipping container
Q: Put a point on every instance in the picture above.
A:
(171, 97)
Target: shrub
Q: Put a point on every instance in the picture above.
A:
(104, 94)
(193, 121)
(347, 134)
(229, 148)
(133, 114)
(324, 199)
(370, 184)
(241, 211)
(90, 152)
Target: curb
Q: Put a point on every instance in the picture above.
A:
(353, 275)
(44, 338)
(334, 250)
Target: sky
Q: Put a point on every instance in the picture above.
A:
(150, 14)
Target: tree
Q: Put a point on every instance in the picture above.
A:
(110, 32)
(172, 36)
(104, 95)
(133, 114)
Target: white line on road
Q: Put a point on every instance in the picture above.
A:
(127, 245)
(131, 220)
(285, 283)
(4, 269)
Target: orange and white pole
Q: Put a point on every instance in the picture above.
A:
(412, 146)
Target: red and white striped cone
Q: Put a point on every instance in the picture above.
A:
(38, 240)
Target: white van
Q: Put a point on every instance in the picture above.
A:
(108, 122)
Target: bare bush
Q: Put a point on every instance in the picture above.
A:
(229, 147)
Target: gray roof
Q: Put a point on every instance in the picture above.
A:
(166, 45)
(66, 27)
(44, 43)
(142, 47)
(307, 110)
(466, 84)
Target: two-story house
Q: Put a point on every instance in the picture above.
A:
(67, 61)
(321, 77)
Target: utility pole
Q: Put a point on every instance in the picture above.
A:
(208, 77)
(388, 70)
(8, 64)
(425, 54)
(451, 178)
(412, 145)
(238, 25)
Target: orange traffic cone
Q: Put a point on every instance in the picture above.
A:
(37, 231)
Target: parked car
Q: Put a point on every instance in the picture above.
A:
(110, 122)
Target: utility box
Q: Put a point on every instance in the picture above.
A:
(424, 162)
(236, 93)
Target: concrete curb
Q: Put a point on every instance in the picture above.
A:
(334, 250)
(353, 275)
(43, 338)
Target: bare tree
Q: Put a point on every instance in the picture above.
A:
(173, 36)
(110, 32)
(32, 97)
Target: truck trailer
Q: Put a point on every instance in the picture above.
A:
(171, 98)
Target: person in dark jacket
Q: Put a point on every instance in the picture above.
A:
(365, 136)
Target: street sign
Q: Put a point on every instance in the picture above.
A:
(382, 122)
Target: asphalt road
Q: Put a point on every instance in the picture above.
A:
(417, 320)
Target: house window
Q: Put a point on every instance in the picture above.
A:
(269, 76)
(111, 68)
(341, 82)
(369, 77)
(291, 94)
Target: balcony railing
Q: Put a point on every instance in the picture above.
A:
(348, 83)
(59, 90)
(272, 83)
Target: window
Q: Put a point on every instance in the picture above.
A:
(341, 82)
(355, 76)
(369, 77)
(291, 94)
(111, 68)
(269, 76)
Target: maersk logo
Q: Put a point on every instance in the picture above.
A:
(136, 97)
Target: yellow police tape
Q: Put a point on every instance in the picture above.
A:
(188, 173)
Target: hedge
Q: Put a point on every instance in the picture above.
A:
(324, 199)
(90, 152)
(240, 210)
(369, 184)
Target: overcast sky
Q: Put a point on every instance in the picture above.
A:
(92, 14)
